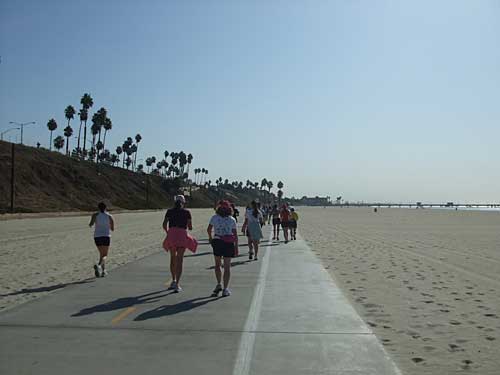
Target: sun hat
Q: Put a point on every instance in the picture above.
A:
(180, 198)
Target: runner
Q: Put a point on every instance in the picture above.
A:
(253, 227)
(176, 223)
(285, 218)
(275, 213)
(236, 213)
(104, 224)
(248, 211)
(294, 218)
(225, 245)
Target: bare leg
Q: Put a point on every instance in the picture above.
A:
(173, 266)
(285, 233)
(227, 271)
(218, 273)
(256, 247)
(103, 253)
(250, 247)
(178, 263)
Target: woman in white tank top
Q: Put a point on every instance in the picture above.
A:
(104, 224)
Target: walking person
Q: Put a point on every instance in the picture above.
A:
(294, 218)
(223, 236)
(253, 227)
(104, 225)
(285, 220)
(275, 214)
(176, 223)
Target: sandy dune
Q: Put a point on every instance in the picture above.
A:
(426, 281)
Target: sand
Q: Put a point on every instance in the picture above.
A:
(426, 281)
(40, 255)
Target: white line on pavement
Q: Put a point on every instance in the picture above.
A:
(245, 350)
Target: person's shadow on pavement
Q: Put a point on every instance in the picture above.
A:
(177, 308)
(124, 302)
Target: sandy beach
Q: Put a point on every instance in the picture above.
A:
(426, 281)
(40, 255)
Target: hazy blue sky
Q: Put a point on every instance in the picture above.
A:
(372, 100)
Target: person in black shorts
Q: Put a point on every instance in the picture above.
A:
(224, 242)
(275, 213)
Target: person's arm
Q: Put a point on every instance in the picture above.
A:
(111, 223)
(209, 231)
(190, 222)
(92, 220)
(165, 223)
(235, 233)
(244, 227)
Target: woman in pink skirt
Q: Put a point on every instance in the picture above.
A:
(176, 223)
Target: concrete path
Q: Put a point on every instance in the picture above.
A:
(286, 316)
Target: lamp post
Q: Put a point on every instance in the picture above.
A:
(22, 125)
(6, 131)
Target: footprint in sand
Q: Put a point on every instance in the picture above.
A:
(455, 322)
(490, 338)
(466, 364)
(417, 359)
(455, 348)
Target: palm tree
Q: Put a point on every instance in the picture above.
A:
(149, 162)
(114, 159)
(138, 139)
(280, 192)
(108, 125)
(59, 142)
(189, 160)
(263, 183)
(69, 113)
(87, 102)
(68, 132)
(269, 185)
(119, 150)
(83, 118)
(52, 125)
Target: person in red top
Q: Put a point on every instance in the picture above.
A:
(285, 220)
(176, 223)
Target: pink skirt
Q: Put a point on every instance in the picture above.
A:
(179, 237)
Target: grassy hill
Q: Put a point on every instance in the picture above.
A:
(49, 181)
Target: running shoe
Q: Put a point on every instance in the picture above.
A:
(250, 256)
(218, 288)
(97, 270)
(172, 286)
(256, 258)
(104, 273)
(177, 289)
(226, 293)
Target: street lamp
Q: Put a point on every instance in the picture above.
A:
(6, 131)
(22, 126)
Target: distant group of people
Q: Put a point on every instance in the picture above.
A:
(222, 235)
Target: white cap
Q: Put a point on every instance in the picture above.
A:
(180, 198)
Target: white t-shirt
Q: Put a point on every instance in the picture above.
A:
(223, 226)
(102, 225)
(252, 219)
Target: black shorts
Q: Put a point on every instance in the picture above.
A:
(292, 224)
(102, 241)
(276, 221)
(285, 224)
(223, 249)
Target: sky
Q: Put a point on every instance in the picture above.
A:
(369, 100)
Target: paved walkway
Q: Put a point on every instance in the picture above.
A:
(286, 316)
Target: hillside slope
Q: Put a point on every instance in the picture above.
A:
(49, 181)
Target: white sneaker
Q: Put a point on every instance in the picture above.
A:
(226, 293)
(97, 270)
(177, 289)
(104, 273)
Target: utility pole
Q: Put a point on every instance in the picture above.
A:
(12, 179)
